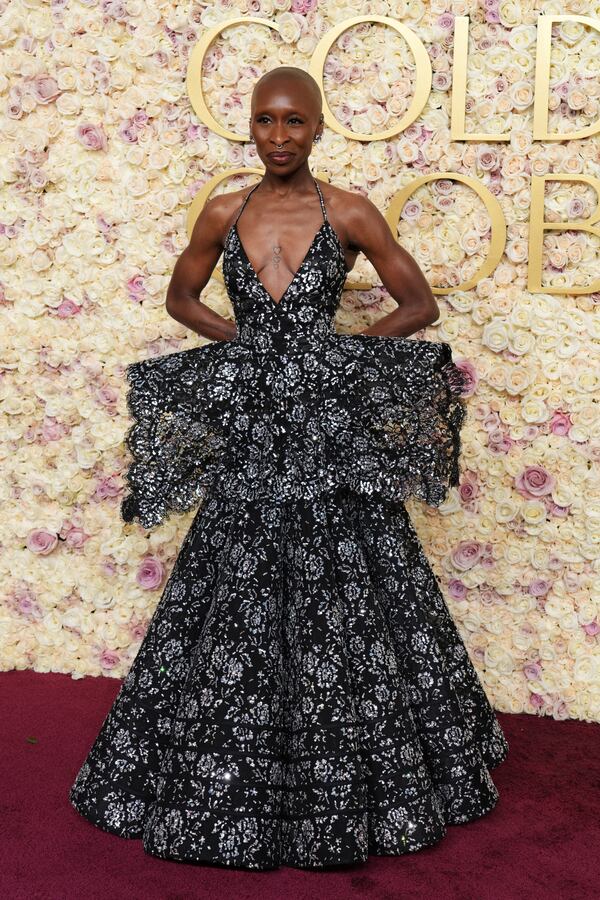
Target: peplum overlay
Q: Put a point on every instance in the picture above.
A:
(302, 695)
(381, 415)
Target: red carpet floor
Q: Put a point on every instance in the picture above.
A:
(541, 841)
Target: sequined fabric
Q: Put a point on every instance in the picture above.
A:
(290, 408)
(302, 696)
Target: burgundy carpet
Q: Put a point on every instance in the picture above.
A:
(541, 841)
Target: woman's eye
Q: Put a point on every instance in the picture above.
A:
(293, 119)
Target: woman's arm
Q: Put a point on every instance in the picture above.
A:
(368, 231)
(193, 270)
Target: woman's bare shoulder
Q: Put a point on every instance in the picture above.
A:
(219, 210)
(349, 211)
(343, 203)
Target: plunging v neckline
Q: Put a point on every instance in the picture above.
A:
(300, 267)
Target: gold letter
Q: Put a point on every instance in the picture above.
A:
(459, 87)
(423, 76)
(194, 73)
(491, 204)
(542, 79)
(537, 227)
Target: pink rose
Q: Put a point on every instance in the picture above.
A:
(539, 587)
(14, 108)
(534, 481)
(107, 395)
(303, 6)
(91, 136)
(107, 487)
(44, 88)
(138, 630)
(135, 287)
(493, 426)
(472, 379)
(413, 132)
(192, 132)
(97, 66)
(443, 186)
(150, 574)
(128, 132)
(466, 554)
(444, 203)
(41, 541)
(420, 162)
(441, 81)
(561, 512)
(28, 607)
(576, 208)
(487, 596)
(536, 700)
(560, 423)
(467, 490)
(67, 308)
(52, 430)
(500, 443)
(109, 659)
(446, 20)
(487, 159)
(592, 628)
(76, 538)
(457, 589)
(532, 671)
(411, 211)
(38, 179)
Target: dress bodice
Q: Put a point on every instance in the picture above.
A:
(306, 312)
(290, 408)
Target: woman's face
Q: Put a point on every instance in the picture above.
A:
(283, 121)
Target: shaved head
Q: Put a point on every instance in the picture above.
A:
(289, 78)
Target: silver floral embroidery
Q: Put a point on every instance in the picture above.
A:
(302, 695)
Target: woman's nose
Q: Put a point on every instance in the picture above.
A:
(279, 135)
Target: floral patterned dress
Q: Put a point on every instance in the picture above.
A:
(302, 696)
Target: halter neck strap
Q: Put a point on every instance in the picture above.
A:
(323, 210)
(247, 197)
(244, 202)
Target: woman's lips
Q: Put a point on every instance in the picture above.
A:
(280, 157)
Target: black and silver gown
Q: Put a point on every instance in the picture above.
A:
(302, 696)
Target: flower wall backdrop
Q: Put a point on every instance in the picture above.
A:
(101, 157)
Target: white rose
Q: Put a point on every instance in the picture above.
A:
(533, 512)
(495, 335)
(521, 342)
(470, 241)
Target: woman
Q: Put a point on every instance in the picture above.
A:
(302, 696)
